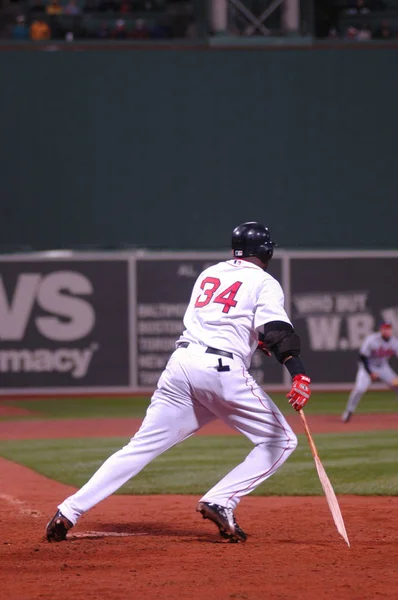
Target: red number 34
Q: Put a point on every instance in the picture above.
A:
(209, 286)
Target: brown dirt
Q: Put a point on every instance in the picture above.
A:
(69, 428)
(151, 547)
(293, 550)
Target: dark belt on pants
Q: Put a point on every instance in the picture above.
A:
(209, 350)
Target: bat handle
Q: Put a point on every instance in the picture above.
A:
(308, 434)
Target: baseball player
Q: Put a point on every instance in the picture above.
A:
(374, 355)
(232, 303)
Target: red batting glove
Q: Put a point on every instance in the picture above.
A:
(261, 346)
(300, 392)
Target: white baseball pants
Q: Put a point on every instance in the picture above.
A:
(363, 381)
(191, 393)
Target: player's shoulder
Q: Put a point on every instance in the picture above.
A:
(267, 281)
(268, 278)
(266, 286)
(373, 337)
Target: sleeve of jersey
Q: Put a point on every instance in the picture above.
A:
(270, 304)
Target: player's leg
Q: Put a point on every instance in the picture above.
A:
(248, 409)
(388, 376)
(171, 417)
(362, 383)
(240, 402)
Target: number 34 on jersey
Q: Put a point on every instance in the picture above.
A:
(211, 285)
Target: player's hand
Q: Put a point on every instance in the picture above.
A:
(261, 346)
(374, 377)
(300, 392)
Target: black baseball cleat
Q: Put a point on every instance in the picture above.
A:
(224, 518)
(58, 527)
(346, 416)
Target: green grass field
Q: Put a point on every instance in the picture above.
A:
(357, 463)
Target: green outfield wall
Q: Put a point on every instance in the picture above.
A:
(171, 148)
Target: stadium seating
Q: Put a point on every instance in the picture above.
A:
(116, 19)
(379, 13)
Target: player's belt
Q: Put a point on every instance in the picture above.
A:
(209, 350)
(219, 352)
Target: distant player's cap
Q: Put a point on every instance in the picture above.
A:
(385, 325)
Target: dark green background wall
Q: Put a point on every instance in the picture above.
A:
(172, 148)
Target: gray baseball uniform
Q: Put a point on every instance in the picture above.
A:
(377, 352)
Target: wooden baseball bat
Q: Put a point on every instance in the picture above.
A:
(326, 485)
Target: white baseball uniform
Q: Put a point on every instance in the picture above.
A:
(378, 351)
(230, 303)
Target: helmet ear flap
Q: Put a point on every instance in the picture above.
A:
(265, 252)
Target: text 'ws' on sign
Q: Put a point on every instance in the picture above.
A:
(64, 324)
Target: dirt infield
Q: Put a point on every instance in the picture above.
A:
(69, 428)
(158, 547)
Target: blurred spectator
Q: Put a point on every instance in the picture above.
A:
(364, 34)
(140, 30)
(103, 32)
(331, 14)
(166, 19)
(333, 34)
(125, 7)
(351, 33)
(54, 8)
(72, 8)
(119, 32)
(39, 30)
(384, 32)
(20, 31)
(360, 7)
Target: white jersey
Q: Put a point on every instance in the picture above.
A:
(378, 350)
(230, 303)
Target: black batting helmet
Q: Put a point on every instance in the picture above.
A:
(252, 239)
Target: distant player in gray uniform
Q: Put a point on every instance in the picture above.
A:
(375, 352)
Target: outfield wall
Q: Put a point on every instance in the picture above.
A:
(302, 138)
(107, 322)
